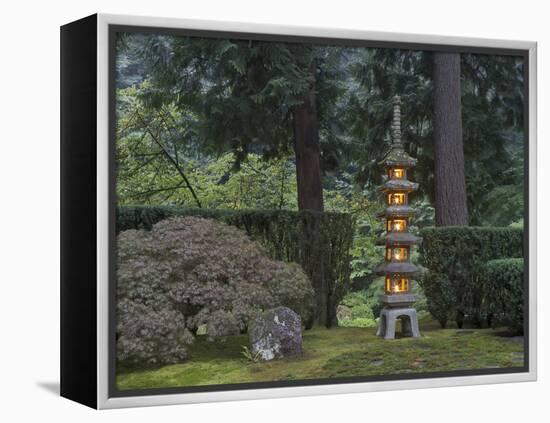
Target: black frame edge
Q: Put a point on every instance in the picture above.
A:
(78, 183)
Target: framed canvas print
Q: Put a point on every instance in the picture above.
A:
(253, 211)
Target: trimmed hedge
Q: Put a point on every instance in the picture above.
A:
(454, 257)
(319, 242)
(503, 282)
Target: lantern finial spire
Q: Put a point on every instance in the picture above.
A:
(396, 122)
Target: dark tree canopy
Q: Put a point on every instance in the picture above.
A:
(279, 100)
(492, 122)
(251, 97)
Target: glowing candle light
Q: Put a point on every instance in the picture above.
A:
(398, 173)
(397, 198)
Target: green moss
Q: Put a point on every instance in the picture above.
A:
(398, 157)
(334, 352)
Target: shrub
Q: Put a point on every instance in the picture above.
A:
(358, 305)
(503, 283)
(148, 335)
(454, 257)
(188, 272)
(319, 242)
(359, 322)
(440, 294)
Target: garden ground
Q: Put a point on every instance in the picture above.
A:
(336, 352)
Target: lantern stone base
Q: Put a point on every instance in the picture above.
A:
(388, 320)
(398, 300)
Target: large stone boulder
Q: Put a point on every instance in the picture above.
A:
(277, 333)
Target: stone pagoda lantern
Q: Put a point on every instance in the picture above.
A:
(397, 300)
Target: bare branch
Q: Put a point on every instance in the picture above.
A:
(171, 159)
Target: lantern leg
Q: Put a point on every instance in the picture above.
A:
(386, 326)
(388, 320)
(413, 322)
(381, 325)
(409, 323)
(390, 328)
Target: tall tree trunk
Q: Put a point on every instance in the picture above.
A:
(310, 195)
(308, 154)
(451, 206)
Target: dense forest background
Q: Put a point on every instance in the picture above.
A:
(241, 124)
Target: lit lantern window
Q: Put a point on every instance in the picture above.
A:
(397, 173)
(397, 253)
(396, 198)
(397, 284)
(396, 225)
(400, 253)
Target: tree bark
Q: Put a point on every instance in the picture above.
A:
(310, 193)
(451, 206)
(308, 154)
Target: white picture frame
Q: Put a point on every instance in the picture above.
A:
(103, 399)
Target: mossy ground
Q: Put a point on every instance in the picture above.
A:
(334, 353)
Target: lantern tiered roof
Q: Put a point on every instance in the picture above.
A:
(401, 185)
(391, 268)
(398, 157)
(396, 211)
(400, 238)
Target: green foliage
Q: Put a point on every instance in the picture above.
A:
(356, 311)
(212, 97)
(342, 196)
(130, 70)
(247, 354)
(509, 185)
(381, 74)
(492, 112)
(208, 123)
(492, 103)
(503, 282)
(359, 322)
(441, 296)
(454, 257)
(319, 242)
(158, 163)
(242, 91)
(187, 272)
(154, 151)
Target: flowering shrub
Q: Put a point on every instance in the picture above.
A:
(189, 271)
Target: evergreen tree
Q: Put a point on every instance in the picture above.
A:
(249, 97)
(492, 113)
(451, 208)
